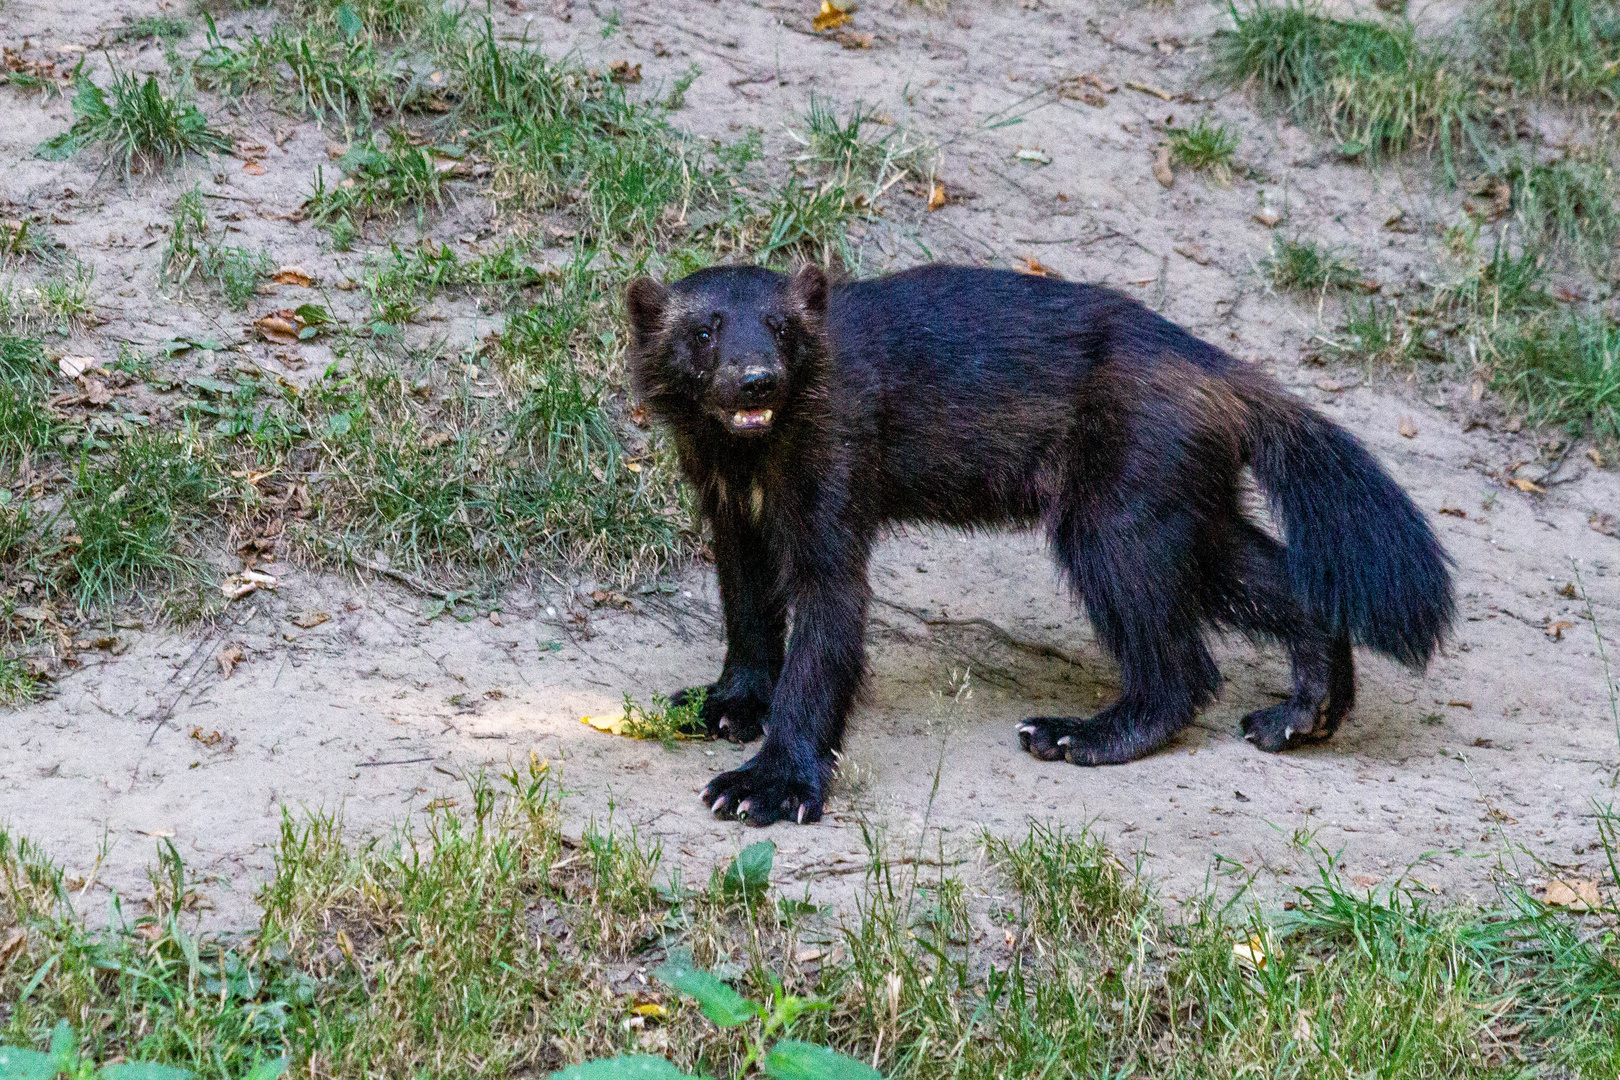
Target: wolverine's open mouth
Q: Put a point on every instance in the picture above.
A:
(751, 419)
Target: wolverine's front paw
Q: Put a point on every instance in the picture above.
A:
(734, 716)
(763, 792)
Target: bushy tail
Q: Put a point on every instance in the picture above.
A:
(1360, 554)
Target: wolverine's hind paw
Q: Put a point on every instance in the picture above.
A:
(1285, 726)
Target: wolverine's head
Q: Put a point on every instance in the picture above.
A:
(729, 343)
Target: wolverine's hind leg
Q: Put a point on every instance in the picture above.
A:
(1137, 574)
(1253, 597)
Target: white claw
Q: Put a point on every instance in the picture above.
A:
(1065, 740)
(718, 803)
(1026, 729)
(1288, 732)
(725, 725)
(801, 813)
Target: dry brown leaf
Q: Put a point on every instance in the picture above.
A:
(1577, 894)
(1529, 487)
(436, 440)
(1162, 172)
(1034, 266)
(1454, 511)
(293, 275)
(1607, 524)
(623, 71)
(1407, 427)
(74, 366)
(279, 327)
(254, 168)
(308, 620)
(96, 392)
(1556, 630)
(854, 39)
(1594, 456)
(829, 16)
(1267, 217)
(207, 738)
(936, 197)
(228, 658)
(12, 943)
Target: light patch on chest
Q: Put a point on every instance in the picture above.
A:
(756, 502)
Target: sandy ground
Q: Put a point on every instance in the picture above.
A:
(1487, 763)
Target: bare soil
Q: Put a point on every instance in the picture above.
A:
(1486, 764)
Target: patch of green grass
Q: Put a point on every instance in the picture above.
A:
(486, 942)
(1560, 369)
(26, 425)
(1379, 332)
(1568, 208)
(329, 74)
(162, 27)
(1569, 48)
(407, 278)
(1375, 87)
(1299, 265)
(18, 685)
(1205, 147)
(192, 255)
(135, 124)
(384, 178)
(387, 18)
(57, 303)
(131, 512)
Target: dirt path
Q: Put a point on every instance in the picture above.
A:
(1489, 759)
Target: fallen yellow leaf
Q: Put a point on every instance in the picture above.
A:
(613, 725)
(829, 16)
(1529, 487)
(936, 197)
(1251, 953)
(650, 1009)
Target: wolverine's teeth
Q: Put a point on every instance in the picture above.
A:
(766, 416)
(739, 418)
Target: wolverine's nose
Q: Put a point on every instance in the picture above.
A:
(758, 384)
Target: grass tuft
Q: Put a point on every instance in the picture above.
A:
(1298, 265)
(1374, 87)
(192, 255)
(135, 124)
(1205, 147)
(1568, 48)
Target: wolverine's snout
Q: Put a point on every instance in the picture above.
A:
(747, 396)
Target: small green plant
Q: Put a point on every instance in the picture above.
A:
(192, 255)
(56, 303)
(1373, 86)
(135, 124)
(664, 722)
(1206, 147)
(1561, 370)
(776, 1056)
(1298, 265)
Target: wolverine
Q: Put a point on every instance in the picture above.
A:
(810, 415)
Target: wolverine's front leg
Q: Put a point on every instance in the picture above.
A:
(788, 778)
(734, 706)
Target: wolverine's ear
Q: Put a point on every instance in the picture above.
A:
(809, 289)
(646, 302)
